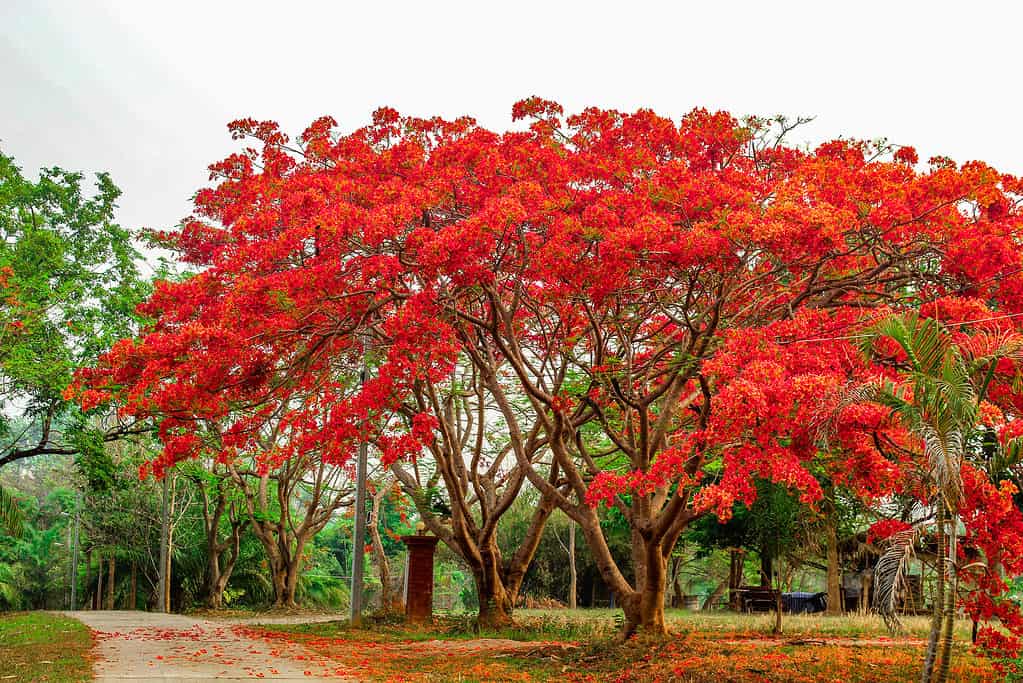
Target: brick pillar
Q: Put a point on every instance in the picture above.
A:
(419, 590)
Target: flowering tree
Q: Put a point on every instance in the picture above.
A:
(636, 275)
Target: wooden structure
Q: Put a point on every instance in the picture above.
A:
(419, 588)
(757, 599)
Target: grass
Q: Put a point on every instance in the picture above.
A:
(704, 647)
(36, 646)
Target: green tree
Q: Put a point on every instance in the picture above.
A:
(69, 284)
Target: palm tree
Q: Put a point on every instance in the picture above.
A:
(935, 396)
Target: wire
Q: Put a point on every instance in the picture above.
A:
(864, 336)
(994, 278)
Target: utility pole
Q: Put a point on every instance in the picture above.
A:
(359, 541)
(161, 603)
(74, 555)
(70, 547)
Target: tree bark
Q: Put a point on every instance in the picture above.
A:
(735, 567)
(214, 586)
(644, 605)
(676, 587)
(284, 573)
(221, 559)
(949, 609)
(496, 604)
(281, 530)
(389, 603)
(221, 553)
(938, 600)
(766, 569)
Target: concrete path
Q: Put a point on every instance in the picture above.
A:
(147, 646)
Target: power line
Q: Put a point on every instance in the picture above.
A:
(864, 336)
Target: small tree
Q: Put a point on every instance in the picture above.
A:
(937, 393)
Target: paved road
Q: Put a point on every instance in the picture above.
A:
(147, 646)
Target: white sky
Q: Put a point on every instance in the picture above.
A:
(143, 89)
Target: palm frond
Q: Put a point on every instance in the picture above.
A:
(890, 575)
(851, 395)
(984, 347)
(1006, 459)
(944, 453)
(11, 519)
(949, 393)
(924, 340)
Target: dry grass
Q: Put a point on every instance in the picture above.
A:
(602, 622)
(704, 648)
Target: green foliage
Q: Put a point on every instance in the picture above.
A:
(31, 569)
(768, 525)
(11, 520)
(69, 285)
(93, 460)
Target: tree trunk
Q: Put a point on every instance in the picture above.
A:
(285, 566)
(291, 581)
(834, 570)
(222, 558)
(285, 581)
(389, 603)
(167, 586)
(715, 595)
(777, 613)
(644, 608)
(170, 545)
(98, 600)
(495, 602)
(868, 586)
(949, 610)
(279, 576)
(214, 586)
(573, 574)
(676, 587)
(134, 586)
(938, 600)
(766, 569)
(735, 567)
(110, 583)
(88, 578)
(284, 594)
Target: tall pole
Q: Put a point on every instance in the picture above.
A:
(70, 547)
(74, 556)
(359, 541)
(161, 604)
